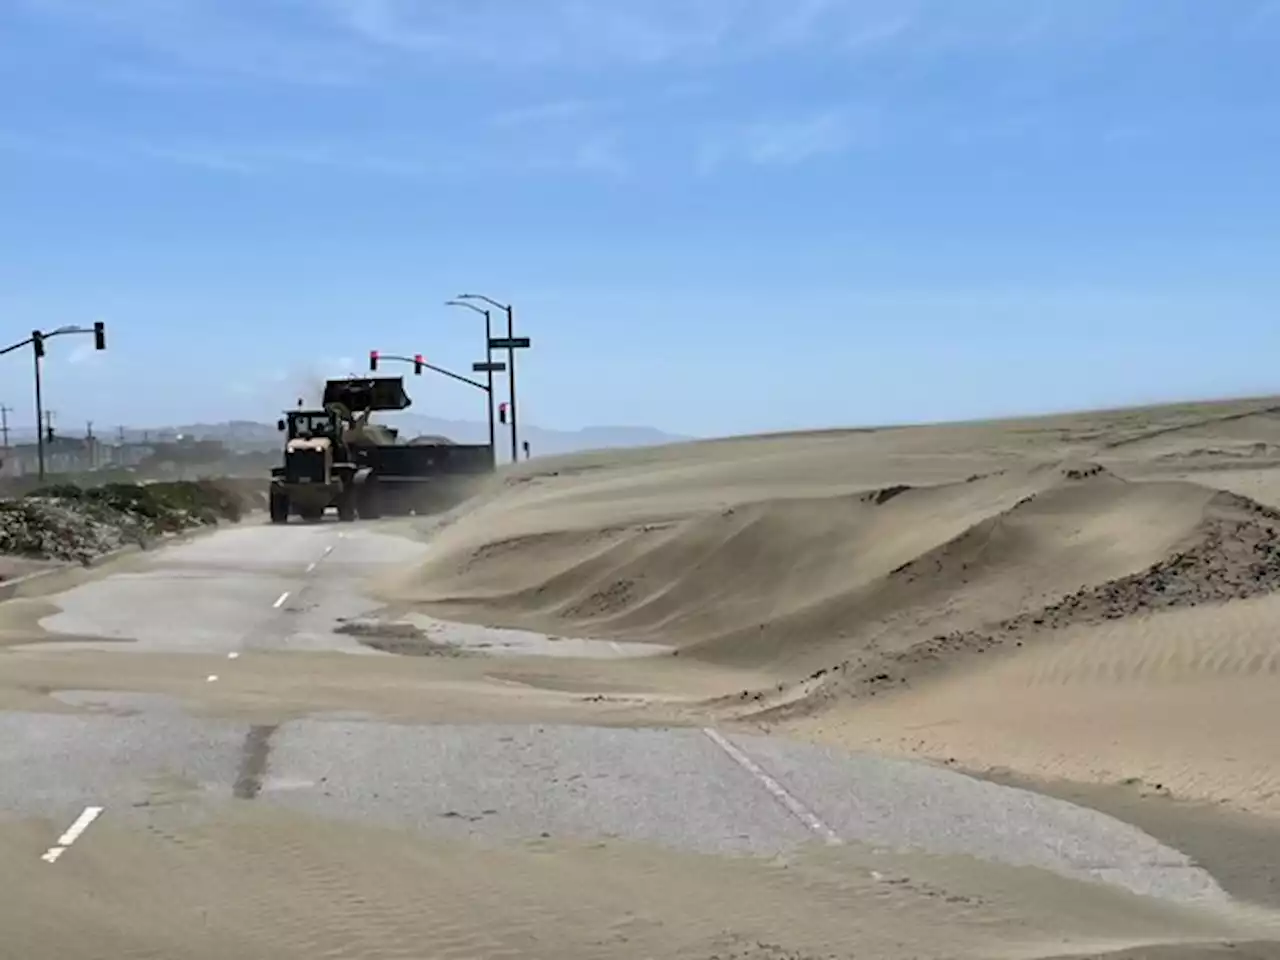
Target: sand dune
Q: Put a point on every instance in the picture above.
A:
(791, 582)
(982, 581)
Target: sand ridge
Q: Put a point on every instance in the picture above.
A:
(896, 569)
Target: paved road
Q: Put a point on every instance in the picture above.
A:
(255, 588)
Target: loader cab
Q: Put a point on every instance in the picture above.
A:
(309, 425)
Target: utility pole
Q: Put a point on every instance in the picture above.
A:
(89, 443)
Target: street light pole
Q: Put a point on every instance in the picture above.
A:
(488, 358)
(511, 378)
(511, 365)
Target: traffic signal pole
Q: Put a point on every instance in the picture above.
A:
(36, 342)
(37, 351)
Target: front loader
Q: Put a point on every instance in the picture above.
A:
(334, 456)
(326, 461)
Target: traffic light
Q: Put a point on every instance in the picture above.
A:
(48, 434)
(99, 335)
(373, 361)
(502, 413)
(37, 342)
(417, 363)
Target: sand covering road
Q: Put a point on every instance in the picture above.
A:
(1086, 597)
(1076, 597)
(254, 882)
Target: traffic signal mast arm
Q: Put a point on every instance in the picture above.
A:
(99, 331)
(419, 364)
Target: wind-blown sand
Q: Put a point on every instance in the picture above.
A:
(1085, 597)
(1079, 604)
(281, 885)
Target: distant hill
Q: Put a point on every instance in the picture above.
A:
(250, 435)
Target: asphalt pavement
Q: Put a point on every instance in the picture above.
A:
(254, 588)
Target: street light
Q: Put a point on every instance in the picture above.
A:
(488, 364)
(511, 344)
(36, 342)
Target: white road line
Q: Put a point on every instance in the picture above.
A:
(311, 566)
(280, 600)
(329, 549)
(87, 816)
(794, 806)
(211, 678)
(233, 655)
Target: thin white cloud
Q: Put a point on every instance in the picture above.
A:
(878, 33)
(1263, 22)
(789, 142)
(277, 40)
(551, 111)
(783, 141)
(601, 154)
(210, 160)
(238, 159)
(345, 41)
(629, 32)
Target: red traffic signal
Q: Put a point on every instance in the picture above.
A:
(373, 360)
(502, 413)
(417, 363)
(99, 335)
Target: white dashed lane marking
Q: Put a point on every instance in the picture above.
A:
(280, 600)
(87, 816)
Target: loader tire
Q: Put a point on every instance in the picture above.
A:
(278, 505)
(347, 505)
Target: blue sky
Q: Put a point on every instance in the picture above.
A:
(712, 215)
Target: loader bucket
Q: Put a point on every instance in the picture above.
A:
(359, 394)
